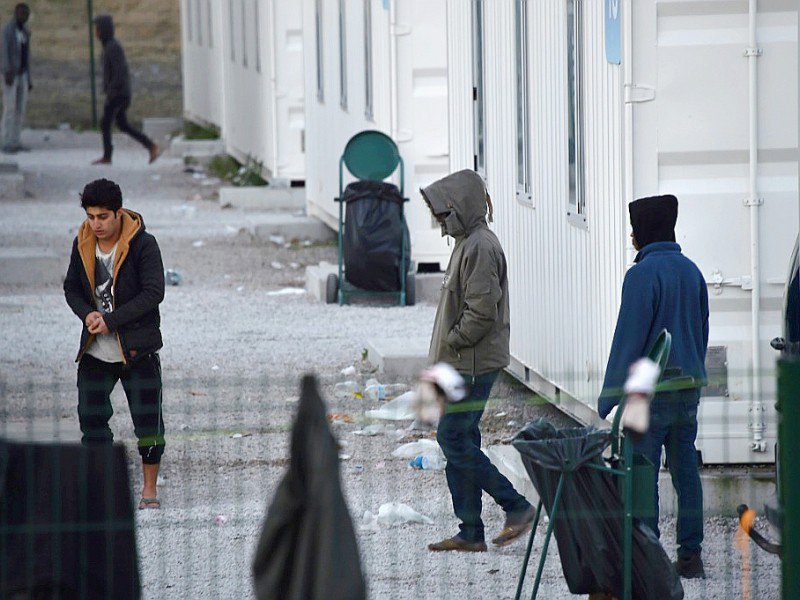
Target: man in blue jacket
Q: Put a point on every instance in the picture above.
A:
(665, 290)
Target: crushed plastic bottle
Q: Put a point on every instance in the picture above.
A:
(428, 462)
(172, 277)
(375, 390)
(347, 389)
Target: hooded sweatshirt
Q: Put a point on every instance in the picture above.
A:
(662, 290)
(137, 290)
(116, 77)
(471, 330)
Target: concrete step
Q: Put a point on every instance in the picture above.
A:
(8, 165)
(317, 280)
(31, 266)
(429, 287)
(724, 489)
(263, 198)
(291, 227)
(161, 130)
(182, 147)
(399, 358)
(12, 186)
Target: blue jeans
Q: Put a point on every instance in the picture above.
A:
(469, 470)
(673, 425)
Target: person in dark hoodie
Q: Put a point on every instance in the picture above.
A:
(117, 88)
(471, 333)
(665, 290)
(114, 285)
(15, 66)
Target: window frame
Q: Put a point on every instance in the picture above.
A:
(343, 54)
(189, 21)
(257, 28)
(319, 54)
(210, 24)
(232, 31)
(244, 33)
(199, 15)
(576, 184)
(522, 93)
(478, 89)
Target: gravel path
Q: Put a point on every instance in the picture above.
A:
(232, 361)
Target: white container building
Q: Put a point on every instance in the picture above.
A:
(703, 104)
(382, 65)
(243, 72)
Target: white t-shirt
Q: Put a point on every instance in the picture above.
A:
(105, 346)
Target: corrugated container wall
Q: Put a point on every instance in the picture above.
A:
(372, 64)
(201, 32)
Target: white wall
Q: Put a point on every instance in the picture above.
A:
(202, 43)
(410, 103)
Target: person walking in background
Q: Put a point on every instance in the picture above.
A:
(471, 333)
(117, 88)
(114, 285)
(15, 60)
(665, 290)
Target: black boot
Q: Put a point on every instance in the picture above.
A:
(690, 567)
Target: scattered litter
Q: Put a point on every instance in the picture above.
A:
(339, 418)
(380, 464)
(345, 456)
(220, 520)
(420, 447)
(185, 209)
(210, 181)
(294, 265)
(493, 571)
(348, 371)
(278, 240)
(236, 436)
(513, 424)
(156, 177)
(240, 289)
(501, 414)
(215, 368)
(198, 175)
(428, 462)
(173, 277)
(393, 514)
(293, 399)
(276, 265)
(64, 127)
(375, 390)
(399, 409)
(374, 429)
(197, 197)
(231, 230)
(198, 243)
(358, 468)
(347, 389)
(161, 480)
(196, 393)
(287, 292)
(306, 243)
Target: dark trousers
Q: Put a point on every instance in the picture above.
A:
(116, 109)
(141, 381)
(673, 425)
(469, 471)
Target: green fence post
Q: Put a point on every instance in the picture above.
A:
(93, 85)
(789, 476)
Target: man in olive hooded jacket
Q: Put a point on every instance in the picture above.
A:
(471, 333)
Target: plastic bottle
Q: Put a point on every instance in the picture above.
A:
(428, 462)
(347, 389)
(379, 391)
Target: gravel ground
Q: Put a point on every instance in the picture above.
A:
(232, 361)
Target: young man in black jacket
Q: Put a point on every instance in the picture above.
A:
(114, 285)
(117, 87)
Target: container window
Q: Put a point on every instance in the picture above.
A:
(522, 93)
(479, 115)
(244, 35)
(576, 210)
(210, 24)
(342, 56)
(320, 66)
(199, 15)
(256, 18)
(233, 35)
(369, 111)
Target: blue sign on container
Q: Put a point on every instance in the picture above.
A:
(614, 31)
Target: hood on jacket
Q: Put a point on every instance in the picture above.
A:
(459, 201)
(105, 28)
(132, 225)
(653, 219)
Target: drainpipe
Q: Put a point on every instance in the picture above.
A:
(393, 32)
(754, 202)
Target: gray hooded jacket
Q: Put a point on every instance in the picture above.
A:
(471, 330)
(11, 49)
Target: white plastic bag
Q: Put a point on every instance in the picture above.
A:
(399, 409)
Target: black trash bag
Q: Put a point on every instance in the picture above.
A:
(66, 523)
(373, 234)
(307, 549)
(588, 525)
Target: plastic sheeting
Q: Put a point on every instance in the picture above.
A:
(588, 524)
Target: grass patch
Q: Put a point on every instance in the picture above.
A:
(228, 169)
(194, 131)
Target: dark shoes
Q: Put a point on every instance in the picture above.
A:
(690, 567)
(517, 523)
(458, 544)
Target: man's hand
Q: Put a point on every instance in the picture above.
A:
(9, 77)
(92, 317)
(99, 327)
